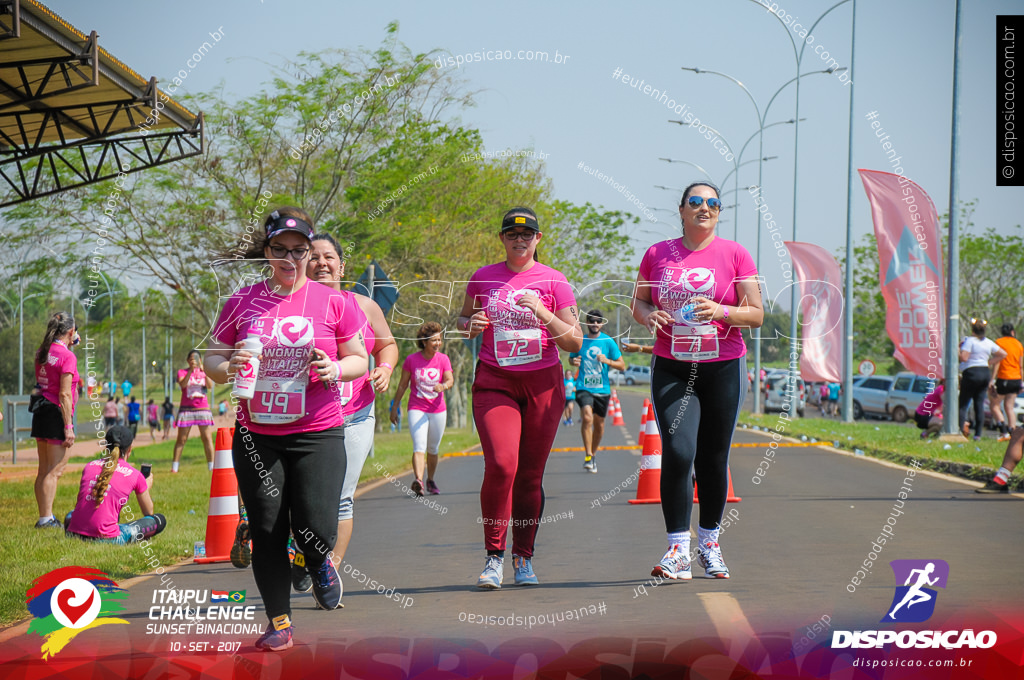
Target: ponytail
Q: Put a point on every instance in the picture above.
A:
(59, 324)
(119, 443)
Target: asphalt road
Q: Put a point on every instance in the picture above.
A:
(794, 542)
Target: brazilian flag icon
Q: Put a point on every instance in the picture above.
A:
(237, 596)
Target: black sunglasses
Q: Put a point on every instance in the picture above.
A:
(697, 201)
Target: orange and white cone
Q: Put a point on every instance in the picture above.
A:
(223, 514)
(618, 419)
(648, 488)
(731, 498)
(643, 423)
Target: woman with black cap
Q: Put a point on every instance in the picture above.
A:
(53, 419)
(526, 312)
(102, 495)
(288, 448)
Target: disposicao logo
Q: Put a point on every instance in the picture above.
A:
(914, 602)
(71, 600)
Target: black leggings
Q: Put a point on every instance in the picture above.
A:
(289, 484)
(696, 405)
(972, 386)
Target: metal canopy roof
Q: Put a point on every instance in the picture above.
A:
(70, 112)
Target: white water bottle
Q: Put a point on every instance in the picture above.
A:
(245, 378)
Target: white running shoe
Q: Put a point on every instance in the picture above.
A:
(710, 558)
(674, 565)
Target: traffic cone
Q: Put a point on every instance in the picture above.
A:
(648, 488)
(222, 517)
(732, 497)
(618, 419)
(643, 423)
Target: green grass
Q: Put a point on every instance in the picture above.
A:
(898, 443)
(182, 498)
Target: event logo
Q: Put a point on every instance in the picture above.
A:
(294, 331)
(699, 280)
(514, 295)
(70, 600)
(913, 602)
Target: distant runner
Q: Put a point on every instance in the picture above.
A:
(593, 390)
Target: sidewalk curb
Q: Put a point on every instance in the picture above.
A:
(948, 476)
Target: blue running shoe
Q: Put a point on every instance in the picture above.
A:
(327, 586)
(490, 579)
(523, 570)
(278, 636)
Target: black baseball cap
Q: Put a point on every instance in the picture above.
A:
(519, 217)
(281, 223)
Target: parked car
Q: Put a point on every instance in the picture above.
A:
(637, 374)
(615, 376)
(776, 393)
(870, 394)
(906, 394)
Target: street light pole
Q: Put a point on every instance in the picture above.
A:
(110, 319)
(145, 366)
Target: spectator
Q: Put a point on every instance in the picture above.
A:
(134, 415)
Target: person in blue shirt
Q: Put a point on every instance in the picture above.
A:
(134, 415)
(126, 388)
(592, 387)
(834, 390)
(570, 398)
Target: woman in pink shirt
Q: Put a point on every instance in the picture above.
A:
(53, 422)
(526, 312)
(430, 373)
(288, 448)
(695, 293)
(194, 409)
(103, 495)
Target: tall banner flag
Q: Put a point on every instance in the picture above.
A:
(821, 304)
(910, 269)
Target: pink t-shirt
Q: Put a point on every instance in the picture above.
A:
(516, 340)
(290, 397)
(194, 394)
(152, 412)
(90, 520)
(356, 394)
(677, 274)
(425, 375)
(60, 360)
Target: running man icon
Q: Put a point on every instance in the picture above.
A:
(915, 576)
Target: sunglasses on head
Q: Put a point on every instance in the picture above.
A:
(697, 201)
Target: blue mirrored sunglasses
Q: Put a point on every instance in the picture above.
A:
(697, 201)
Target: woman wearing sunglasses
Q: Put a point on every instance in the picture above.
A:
(526, 312)
(288, 448)
(694, 293)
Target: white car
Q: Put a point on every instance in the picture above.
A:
(637, 374)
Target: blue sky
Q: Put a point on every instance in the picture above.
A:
(575, 111)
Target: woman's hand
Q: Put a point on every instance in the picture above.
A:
(657, 319)
(534, 304)
(69, 438)
(239, 358)
(380, 377)
(326, 369)
(477, 324)
(394, 414)
(706, 310)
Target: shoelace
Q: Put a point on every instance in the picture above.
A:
(713, 555)
(324, 576)
(493, 563)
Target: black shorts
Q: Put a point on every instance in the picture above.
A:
(922, 420)
(48, 421)
(599, 402)
(1008, 386)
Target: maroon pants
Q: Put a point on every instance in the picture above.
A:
(517, 414)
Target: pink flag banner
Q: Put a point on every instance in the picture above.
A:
(910, 269)
(821, 305)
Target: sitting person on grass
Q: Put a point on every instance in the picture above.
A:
(104, 490)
